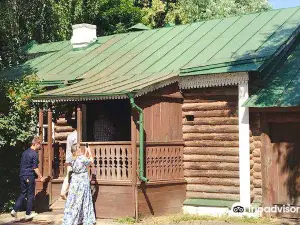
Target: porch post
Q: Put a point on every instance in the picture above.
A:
(49, 139)
(79, 123)
(134, 165)
(41, 152)
(244, 147)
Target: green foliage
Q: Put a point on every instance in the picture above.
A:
(110, 16)
(158, 13)
(18, 121)
(22, 21)
(188, 11)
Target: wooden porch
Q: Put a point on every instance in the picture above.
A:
(116, 188)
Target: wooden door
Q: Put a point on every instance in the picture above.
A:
(282, 164)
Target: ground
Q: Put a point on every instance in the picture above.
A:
(52, 218)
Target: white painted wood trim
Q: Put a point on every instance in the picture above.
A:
(244, 147)
(213, 80)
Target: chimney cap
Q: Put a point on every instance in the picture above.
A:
(84, 25)
(83, 35)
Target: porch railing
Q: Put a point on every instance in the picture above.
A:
(164, 161)
(113, 161)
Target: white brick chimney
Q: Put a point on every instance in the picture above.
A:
(83, 35)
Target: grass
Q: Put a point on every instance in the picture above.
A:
(126, 220)
(178, 218)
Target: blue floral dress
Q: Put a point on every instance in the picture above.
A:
(79, 205)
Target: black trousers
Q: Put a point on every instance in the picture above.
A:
(27, 190)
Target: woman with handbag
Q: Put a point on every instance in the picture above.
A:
(79, 205)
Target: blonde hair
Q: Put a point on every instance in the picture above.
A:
(35, 140)
(74, 149)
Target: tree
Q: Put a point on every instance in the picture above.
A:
(18, 117)
(188, 11)
(51, 20)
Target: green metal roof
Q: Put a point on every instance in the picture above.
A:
(281, 88)
(134, 61)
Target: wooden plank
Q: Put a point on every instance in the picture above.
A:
(211, 136)
(211, 113)
(210, 158)
(41, 151)
(210, 129)
(208, 143)
(161, 199)
(211, 151)
(211, 173)
(79, 123)
(211, 166)
(267, 187)
(50, 141)
(216, 91)
(224, 196)
(212, 121)
(213, 188)
(209, 106)
(134, 165)
(213, 181)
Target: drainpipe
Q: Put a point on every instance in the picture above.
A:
(141, 131)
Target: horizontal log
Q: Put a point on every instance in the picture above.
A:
(209, 106)
(252, 147)
(211, 136)
(213, 188)
(211, 151)
(233, 91)
(257, 191)
(204, 195)
(257, 175)
(213, 181)
(251, 172)
(212, 121)
(256, 152)
(211, 166)
(208, 143)
(61, 122)
(211, 173)
(257, 138)
(210, 158)
(257, 144)
(211, 129)
(59, 129)
(257, 167)
(212, 113)
(251, 163)
(257, 160)
(257, 183)
(61, 136)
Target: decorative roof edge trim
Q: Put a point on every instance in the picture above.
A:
(77, 98)
(156, 86)
(213, 80)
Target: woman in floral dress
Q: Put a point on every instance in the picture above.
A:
(79, 205)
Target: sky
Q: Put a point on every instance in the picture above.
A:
(284, 3)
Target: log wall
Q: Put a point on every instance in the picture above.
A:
(211, 155)
(255, 155)
(62, 128)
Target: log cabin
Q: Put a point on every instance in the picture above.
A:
(202, 112)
